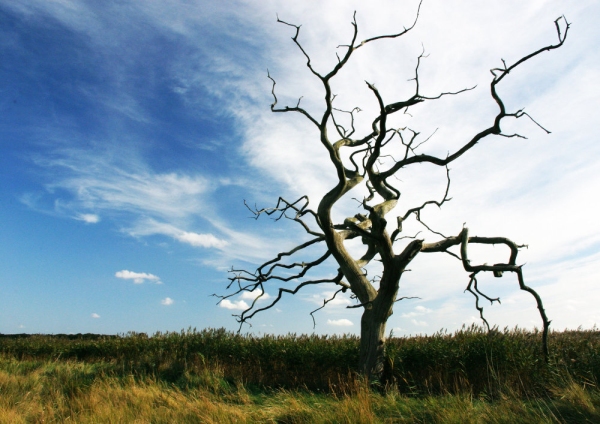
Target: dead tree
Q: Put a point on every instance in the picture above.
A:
(362, 164)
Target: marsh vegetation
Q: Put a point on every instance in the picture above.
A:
(217, 376)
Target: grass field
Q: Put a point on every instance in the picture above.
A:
(216, 376)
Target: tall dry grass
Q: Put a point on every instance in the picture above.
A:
(79, 392)
(470, 361)
(217, 376)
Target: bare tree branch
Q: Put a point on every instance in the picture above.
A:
(400, 34)
(296, 108)
(372, 160)
(325, 302)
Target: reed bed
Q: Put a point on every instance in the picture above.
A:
(471, 360)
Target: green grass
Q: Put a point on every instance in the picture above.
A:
(217, 376)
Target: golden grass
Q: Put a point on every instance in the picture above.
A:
(64, 392)
(214, 376)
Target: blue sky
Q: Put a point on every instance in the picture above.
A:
(131, 133)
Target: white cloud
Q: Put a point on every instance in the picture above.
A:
(419, 323)
(152, 227)
(137, 277)
(422, 309)
(418, 311)
(253, 295)
(200, 240)
(167, 301)
(340, 322)
(97, 180)
(236, 304)
(244, 245)
(156, 203)
(95, 315)
(88, 218)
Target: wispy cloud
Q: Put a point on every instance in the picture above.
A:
(202, 240)
(417, 311)
(149, 227)
(246, 295)
(89, 218)
(343, 322)
(98, 180)
(167, 301)
(146, 203)
(95, 315)
(153, 202)
(419, 323)
(137, 277)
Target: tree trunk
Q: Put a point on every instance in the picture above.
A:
(376, 314)
(372, 344)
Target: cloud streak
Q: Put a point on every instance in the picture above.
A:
(137, 277)
(98, 181)
(343, 322)
(89, 218)
(151, 227)
(154, 202)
